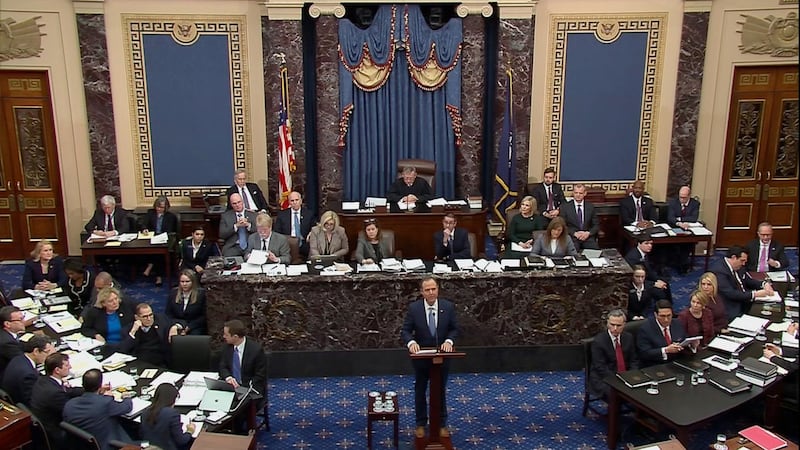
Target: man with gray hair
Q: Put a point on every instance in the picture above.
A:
(108, 220)
(410, 188)
(613, 351)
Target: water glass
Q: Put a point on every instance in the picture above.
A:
(680, 379)
(134, 372)
(735, 358)
(700, 378)
(720, 444)
(694, 379)
(653, 389)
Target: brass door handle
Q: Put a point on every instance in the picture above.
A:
(21, 201)
(769, 175)
(759, 175)
(8, 185)
(758, 192)
(11, 204)
(18, 188)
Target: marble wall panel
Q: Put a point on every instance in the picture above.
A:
(329, 156)
(687, 100)
(473, 90)
(283, 37)
(516, 53)
(99, 106)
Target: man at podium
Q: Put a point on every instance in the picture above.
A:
(430, 323)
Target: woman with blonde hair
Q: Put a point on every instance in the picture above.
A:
(521, 227)
(708, 285)
(186, 305)
(44, 271)
(697, 319)
(109, 318)
(328, 237)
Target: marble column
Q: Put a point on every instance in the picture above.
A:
(687, 100)
(473, 90)
(329, 156)
(516, 53)
(99, 105)
(283, 37)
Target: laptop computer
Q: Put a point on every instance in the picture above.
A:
(217, 401)
(323, 260)
(221, 385)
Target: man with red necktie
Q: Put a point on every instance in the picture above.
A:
(659, 339)
(613, 351)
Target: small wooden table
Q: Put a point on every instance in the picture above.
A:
(386, 410)
(208, 441)
(134, 247)
(15, 426)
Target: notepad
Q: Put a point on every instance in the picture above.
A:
(113, 244)
(763, 438)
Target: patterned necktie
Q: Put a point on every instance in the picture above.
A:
(667, 336)
(244, 198)
(432, 323)
(620, 356)
(639, 210)
(683, 211)
(242, 235)
(297, 233)
(550, 198)
(236, 365)
(762, 260)
(580, 217)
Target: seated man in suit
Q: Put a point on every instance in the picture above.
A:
(429, 323)
(235, 226)
(681, 211)
(252, 197)
(97, 410)
(11, 318)
(108, 220)
(242, 362)
(451, 243)
(613, 351)
(275, 244)
(641, 256)
(582, 222)
(734, 286)
(777, 355)
(51, 392)
(147, 338)
(636, 209)
(21, 373)
(548, 194)
(409, 189)
(296, 221)
(659, 339)
(643, 294)
(765, 254)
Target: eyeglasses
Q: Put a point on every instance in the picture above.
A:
(147, 316)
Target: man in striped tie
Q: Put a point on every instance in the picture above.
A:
(613, 351)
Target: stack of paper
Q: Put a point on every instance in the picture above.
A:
(25, 303)
(700, 231)
(372, 202)
(441, 268)
(774, 298)
(81, 343)
(162, 238)
(190, 395)
(61, 322)
(166, 377)
(726, 344)
(748, 325)
(437, 202)
(143, 235)
(127, 237)
(294, 270)
(350, 206)
(118, 378)
(788, 340)
(81, 362)
(483, 265)
(515, 247)
(464, 264)
(413, 264)
(391, 265)
(510, 263)
(369, 268)
(116, 360)
(138, 406)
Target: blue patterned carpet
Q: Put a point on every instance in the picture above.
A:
(488, 411)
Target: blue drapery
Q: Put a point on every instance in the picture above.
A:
(394, 115)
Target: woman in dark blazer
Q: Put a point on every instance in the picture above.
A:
(555, 241)
(44, 271)
(697, 319)
(196, 250)
(373, 246)
(80, 282)
(186, 305)
(161, 423)
(159, 220)
(109, 317)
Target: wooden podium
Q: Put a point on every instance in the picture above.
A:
(433, 441)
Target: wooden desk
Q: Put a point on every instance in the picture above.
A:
(669, 240)
(672, 444)
(733, 443)
(215, 441)
(15, 427)
(382, 414)
(413, 232)
(135, 247)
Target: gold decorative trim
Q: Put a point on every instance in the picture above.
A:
(607, 31)
(4, 203)
(185, 32)
(741, 192)
(25, 84)
(790, 78)
(136, 27)
(20, 39)
(774, 36)
(563, 25)
(754, 79)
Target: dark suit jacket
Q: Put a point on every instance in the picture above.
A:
(254, 365)
(776, 252)
(255, 192)
(604, 359)
(737, 301)
(167, 431)
(540, 194)
(278, 245)
(33, 273)
(590, 221)
(634, 257)
(400, 189)
(131, 346)
(674, 208)
(627, 210)
(47, 402)
(458, 249)
(415, 325)
(98, 221)
(231, 236)
(644, 306)
(19, 378)
(650, 340)
(283, 222)
(97, 415)
(188, 261)
(364, 249)
(169, 224)
(9, 349)
(194, 316)
(96, 322)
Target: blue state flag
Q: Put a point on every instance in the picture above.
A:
(505, 197)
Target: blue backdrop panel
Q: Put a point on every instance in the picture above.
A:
(189, 101)
(602, 107)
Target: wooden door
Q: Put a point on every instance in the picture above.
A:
(760, 172)
(31, 206)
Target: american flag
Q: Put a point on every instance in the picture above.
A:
(285, 147)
